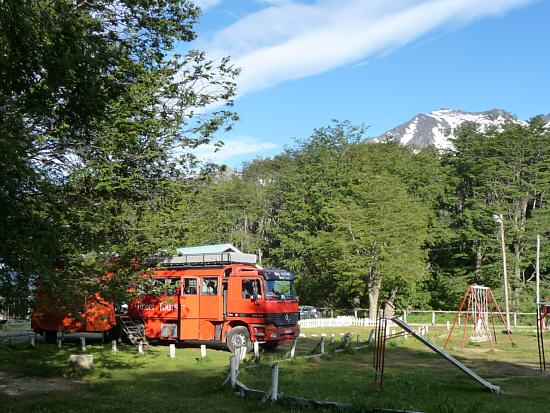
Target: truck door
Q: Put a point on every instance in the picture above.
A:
(189, 309)
(210, 306)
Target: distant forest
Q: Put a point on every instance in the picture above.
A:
(359, 221)
(97, 119)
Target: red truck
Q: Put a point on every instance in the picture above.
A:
(213, 297)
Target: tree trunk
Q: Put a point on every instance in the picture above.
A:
(389, 309)
(479, 261)
(375, 282)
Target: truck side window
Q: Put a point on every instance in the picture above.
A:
(248, 288)
(172, 285)
(209, 286)
(190, 286)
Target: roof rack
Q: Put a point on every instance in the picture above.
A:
(200, 260)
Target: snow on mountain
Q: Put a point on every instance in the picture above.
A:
(435, 128)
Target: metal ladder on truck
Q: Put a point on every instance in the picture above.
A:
(135, 332)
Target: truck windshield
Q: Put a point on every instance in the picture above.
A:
(280, 290)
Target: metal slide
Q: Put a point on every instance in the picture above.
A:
(446, 356)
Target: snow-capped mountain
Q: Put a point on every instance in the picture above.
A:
(435, 128)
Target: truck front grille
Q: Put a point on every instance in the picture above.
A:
(283, 319)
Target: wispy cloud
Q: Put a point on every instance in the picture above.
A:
(233, 148)
(207, 4)
(290, 40)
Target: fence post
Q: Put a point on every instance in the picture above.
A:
(82, 343)
(405, 316)
(173, 351)
(322, 345)
(33, 343)
(515, 319)
(371, 337)
(433, 318)
(233, 369)
(355, 312)
(293, 348)
(203, 351)
(448, 325)
(459, 319)
(113, 346)
(140, 348)
(274, 381)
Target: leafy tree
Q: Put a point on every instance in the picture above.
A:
(501, 171)
(96, 113)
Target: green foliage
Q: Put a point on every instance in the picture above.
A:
(96, 114)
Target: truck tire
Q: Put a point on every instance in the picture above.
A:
(270, 345)
(238, 337)
(50, 336)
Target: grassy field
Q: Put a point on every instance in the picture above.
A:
(38, 379)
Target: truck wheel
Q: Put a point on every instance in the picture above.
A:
(50, 336)
(270, 345)
(238, 337)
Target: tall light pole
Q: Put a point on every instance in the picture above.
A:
(500, 220)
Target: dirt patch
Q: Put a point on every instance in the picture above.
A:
(22, 386)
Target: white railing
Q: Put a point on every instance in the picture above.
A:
(342, 321)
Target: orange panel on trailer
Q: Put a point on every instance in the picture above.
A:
(207, 330)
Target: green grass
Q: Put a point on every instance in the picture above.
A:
(415, 378)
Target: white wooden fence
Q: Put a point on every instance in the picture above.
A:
(342, 321)
(433, 317)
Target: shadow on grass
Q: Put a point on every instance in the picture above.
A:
(415, 380)
(47, 360)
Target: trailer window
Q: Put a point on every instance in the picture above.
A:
(209, 286)
(190, 286)
(248, 288)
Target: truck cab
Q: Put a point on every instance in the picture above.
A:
(219, 297)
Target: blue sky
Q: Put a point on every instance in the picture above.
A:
(375, 62)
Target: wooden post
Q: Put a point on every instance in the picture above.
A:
(322, 345)
(113, 346)
(140, 348)
(275, 380)
(433, 318)
(172, 351)
(203, 351)
(537, 270)
(257, 350)
(293, 348)
(82, 343)
(233, 369)
(504, 272)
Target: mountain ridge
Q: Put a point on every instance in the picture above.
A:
(436, 127)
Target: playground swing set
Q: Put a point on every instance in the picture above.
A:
(481, 307)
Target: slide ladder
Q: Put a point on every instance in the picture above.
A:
(495, 389)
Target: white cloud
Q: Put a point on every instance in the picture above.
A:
(290, 40)
(233, 148)
(206, 4)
